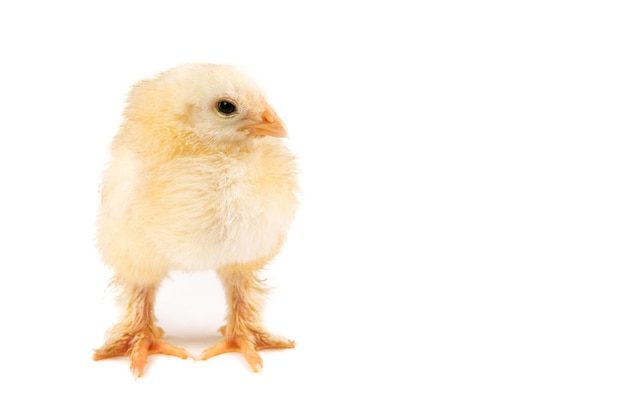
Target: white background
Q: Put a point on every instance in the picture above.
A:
(460, 247)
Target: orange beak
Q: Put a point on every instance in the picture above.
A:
(270, 125)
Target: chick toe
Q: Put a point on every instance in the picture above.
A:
(138, 347)
(248, 346)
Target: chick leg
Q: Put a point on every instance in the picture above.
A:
(244, 331)
(135, 335)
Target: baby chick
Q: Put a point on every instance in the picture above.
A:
(198, 179)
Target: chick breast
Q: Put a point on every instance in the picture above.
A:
(197, 212)
(223, 208)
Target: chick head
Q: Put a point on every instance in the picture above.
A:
(212, 102)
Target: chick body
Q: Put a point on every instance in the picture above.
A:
(191, 188)
(197, 212)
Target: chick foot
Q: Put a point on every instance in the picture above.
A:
(138, 347)
(248, 344)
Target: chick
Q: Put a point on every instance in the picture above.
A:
(198, 179)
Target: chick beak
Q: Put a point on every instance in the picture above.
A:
(270, 125)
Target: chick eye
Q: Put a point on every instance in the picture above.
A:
(225, 107)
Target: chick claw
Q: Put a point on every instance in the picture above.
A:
(248, 346)
(143, 347)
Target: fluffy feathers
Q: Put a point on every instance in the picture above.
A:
(197, 180)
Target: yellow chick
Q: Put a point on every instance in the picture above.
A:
(198, 179)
